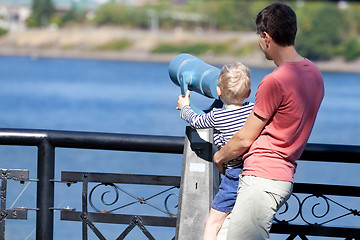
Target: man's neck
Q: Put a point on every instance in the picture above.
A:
(286, 54)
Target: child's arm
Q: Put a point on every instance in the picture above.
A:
(183, 100)
(195, 120)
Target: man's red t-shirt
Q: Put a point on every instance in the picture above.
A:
(289, 98)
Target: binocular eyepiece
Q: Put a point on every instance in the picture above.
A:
(192, 73)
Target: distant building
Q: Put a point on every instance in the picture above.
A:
(13, 16)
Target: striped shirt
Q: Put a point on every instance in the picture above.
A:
(225, 122)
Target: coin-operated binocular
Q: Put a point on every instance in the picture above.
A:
(192, 73)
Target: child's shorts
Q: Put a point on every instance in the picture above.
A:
(224, 200)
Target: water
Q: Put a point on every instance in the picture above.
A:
(136, 98)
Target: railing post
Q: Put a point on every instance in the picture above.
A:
(197, 184)
(45, 191)
(3, 204)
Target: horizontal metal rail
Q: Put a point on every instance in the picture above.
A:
(337, 190)
(152, 143)
(315, 230)
(119, 218)
(122, 178)
(91, 140)
(331, 153)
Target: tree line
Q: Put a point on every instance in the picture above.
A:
(325, 29)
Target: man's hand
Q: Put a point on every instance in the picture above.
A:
(218, 164)
(183, 100)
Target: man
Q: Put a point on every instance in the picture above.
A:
(277, 130)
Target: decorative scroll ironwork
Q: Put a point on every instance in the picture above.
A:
(101, 192)
(166, 203)
(286, 210)
(137, 199)
(315, 212)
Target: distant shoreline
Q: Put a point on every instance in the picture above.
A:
(330, 66)
(79, 43)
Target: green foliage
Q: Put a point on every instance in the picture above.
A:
(352, 49)
(355, 13)
(195, 49)
(319, 39)
(72, 16)
(31, 21)
(232, 16)
(3, 32)
(224, 15)
(67, 47)
(324, 29)
(121, 15)
(111, 14)
(167, 48)
(118, 45)
(247, 49)
(42, 10)
(219, 49)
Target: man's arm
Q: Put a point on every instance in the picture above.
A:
(241, 141)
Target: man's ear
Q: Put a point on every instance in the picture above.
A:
(268, 38)
(218, 91)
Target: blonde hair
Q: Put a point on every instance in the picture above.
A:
(234, 81)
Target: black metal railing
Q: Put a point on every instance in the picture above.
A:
(48, 140)
(304, 219)
(89, 218)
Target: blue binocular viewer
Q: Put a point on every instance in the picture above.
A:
(192, 73)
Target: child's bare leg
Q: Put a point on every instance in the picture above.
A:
(213, 224)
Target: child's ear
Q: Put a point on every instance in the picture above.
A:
(218, 91)
(248, 95)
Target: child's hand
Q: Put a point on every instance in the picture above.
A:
(183, 100)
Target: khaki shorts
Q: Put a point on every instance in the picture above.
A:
(257, 202)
